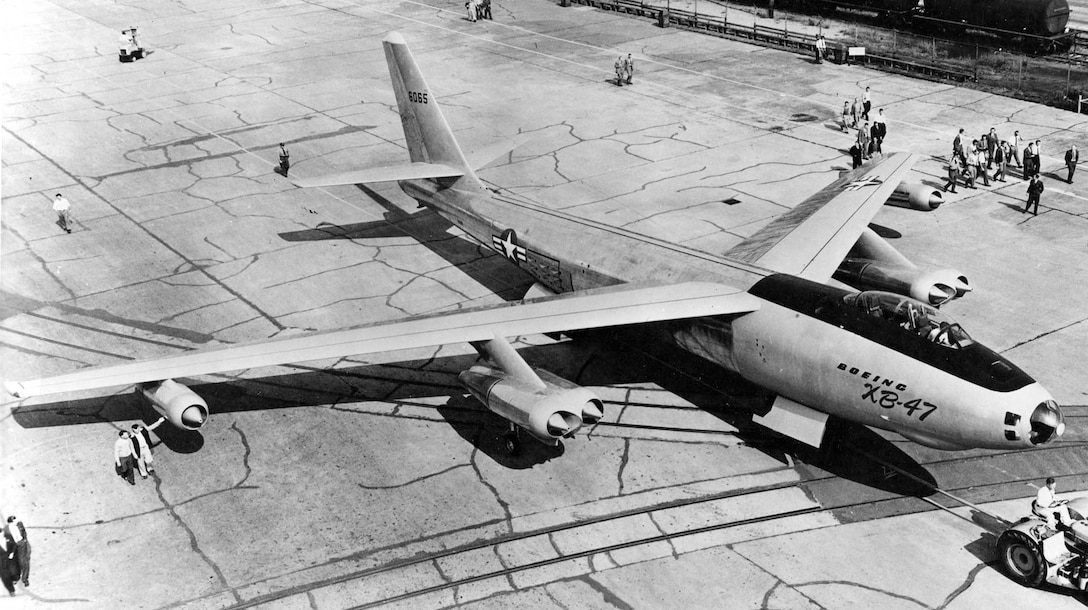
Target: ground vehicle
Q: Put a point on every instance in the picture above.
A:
(128, 48)
(1031, 552)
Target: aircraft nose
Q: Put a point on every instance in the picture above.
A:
(1047, 423)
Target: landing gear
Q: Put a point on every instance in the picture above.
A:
(512, 440)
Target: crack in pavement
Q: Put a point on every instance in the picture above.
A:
(413, 481)
(476, 467)
(1041, 335)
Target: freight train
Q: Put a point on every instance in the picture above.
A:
(1004, 18)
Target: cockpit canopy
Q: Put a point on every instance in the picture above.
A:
(914, 316)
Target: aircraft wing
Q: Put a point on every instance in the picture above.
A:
(612, 306)
(812, 239)
(386, 173)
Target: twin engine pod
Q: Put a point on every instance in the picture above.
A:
(550, 413)
(932, 286)
(180, 406)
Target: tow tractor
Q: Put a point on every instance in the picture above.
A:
(1032, 552)
(129, 49)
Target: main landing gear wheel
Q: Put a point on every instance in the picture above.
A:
(512, 441)
(1022, 558)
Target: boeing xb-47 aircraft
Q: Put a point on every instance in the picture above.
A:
(814, 307)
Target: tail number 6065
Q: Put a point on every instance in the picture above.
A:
(419, 98)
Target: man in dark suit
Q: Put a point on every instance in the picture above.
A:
(1072, 157)
(1035, 189)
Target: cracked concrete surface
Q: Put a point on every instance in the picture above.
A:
(305, 479)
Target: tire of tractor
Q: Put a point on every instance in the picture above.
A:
(1022, 558)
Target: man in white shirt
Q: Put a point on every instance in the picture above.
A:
(141, 446)
(61, 206)
(1048, 506)
(122, 457)
(15, 533)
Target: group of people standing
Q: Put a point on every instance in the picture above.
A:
(989, 152)
(625, 69)
(132, 452)
(15, 555)
(870, 136)
(478, 9)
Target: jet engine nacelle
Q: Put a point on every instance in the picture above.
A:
(932, 286)
(555, 411)
(180, 406)
(916, 197)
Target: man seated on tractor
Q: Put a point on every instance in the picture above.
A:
(1049, 507)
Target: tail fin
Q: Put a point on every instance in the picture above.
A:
(434, 151)
(425, 129)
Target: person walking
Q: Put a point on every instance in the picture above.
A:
(619, 70)
(141, 447)
(846, 115)
(1072, 157)
(629, 68)
(864, 140)
(63, 209)
(971, 165)
(470, 6)
(955, 168)
(880, 130)
(15, 534)
(958, 148)
(1001, 158)
(485, 10)
(991, 146)
(1037, 157)
(855, 156)
(122, 457)
(1035, 189)
(980, 163)
(285, 160)
(867, 104)
(855, 113)
(1017, 145)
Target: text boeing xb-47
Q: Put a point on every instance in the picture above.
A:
(814, 307)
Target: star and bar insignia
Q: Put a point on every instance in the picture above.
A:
(859, 184)
(507, 245)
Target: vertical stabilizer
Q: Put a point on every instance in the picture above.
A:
(425, 129)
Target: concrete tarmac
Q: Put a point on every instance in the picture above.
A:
(377, 481)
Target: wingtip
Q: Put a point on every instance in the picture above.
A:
(395, 38)
(14, 388)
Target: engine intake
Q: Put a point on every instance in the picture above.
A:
(549, 414)
(933, 286)
(180, 406)
(916, 196)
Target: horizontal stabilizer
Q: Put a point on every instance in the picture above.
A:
(615, 305)
(387, 173)
(484, 157)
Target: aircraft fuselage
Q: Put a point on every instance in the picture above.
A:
(804, 342)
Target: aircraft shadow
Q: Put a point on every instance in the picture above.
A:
(433, 232)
